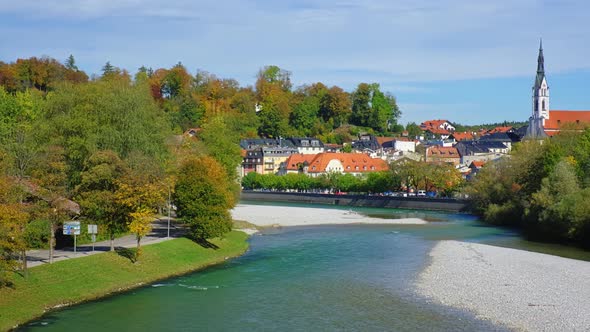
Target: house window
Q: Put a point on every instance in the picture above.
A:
(356, 167)
(347, 167)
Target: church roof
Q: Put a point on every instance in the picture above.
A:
(559, 118)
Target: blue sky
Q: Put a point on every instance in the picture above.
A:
(468, 61)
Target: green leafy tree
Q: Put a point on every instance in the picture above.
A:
(413, 130)
(97, 193)
(203, 197)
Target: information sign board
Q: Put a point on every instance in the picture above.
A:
(72, 228)
(92, 229)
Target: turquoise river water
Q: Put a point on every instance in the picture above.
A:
(321, 278)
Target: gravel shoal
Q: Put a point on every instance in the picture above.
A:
(260, 215)
(519, 289)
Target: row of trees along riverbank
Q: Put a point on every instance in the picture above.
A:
(544, 188)
(403, 175)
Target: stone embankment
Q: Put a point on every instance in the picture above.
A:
(416, 203)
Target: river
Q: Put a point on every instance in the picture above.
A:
(320, 278)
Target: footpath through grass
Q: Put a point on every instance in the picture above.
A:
(87, 278)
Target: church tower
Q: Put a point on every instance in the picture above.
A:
(541, 90)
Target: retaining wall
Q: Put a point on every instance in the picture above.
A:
(416, 203)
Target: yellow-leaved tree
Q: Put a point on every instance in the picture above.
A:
(143, 195)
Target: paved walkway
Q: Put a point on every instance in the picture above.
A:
(158, 234)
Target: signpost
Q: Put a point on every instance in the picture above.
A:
(72, 228)
(93, 230)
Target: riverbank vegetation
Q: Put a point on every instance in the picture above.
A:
(87, 278)
(544, 188)
(403, 175)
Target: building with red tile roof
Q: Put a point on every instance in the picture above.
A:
(437, 124)
(463, 136)
(572, 120)
(297, 163)
(500, 130)
(437, 153)
(346, 163)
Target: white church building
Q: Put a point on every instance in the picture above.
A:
(545, 122)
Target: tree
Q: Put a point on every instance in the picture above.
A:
(373, 108)
(49, 174)
(273, 94)
(203, 197)
(305, 114)
(109, 70)
(222, 144)
(361, 107)
(142, 194)
(13, 221)
(71, 63)
(413, 130)
(97, 193)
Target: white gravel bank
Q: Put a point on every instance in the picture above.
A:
(261, 215)
(522, 290)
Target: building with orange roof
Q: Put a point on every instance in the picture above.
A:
(297, 163)
(437, 153)
(545, 122)
(437, 124)
(345, 163)
(463, 136)
(506, 129)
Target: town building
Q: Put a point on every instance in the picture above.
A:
(307, 145)
(443, 154)
(480, 151)
(273, 157)
(437, 124)
(252, 161)
(327, 162)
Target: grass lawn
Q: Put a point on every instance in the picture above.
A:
(87, 278)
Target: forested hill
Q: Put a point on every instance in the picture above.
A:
(271, 108)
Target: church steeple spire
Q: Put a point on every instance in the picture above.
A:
(541, 60)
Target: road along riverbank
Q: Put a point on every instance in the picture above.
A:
(519, 289)
(72, 281)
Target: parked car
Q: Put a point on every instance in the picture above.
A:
(421, 193)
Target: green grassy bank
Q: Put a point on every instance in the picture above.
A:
(82, 279)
